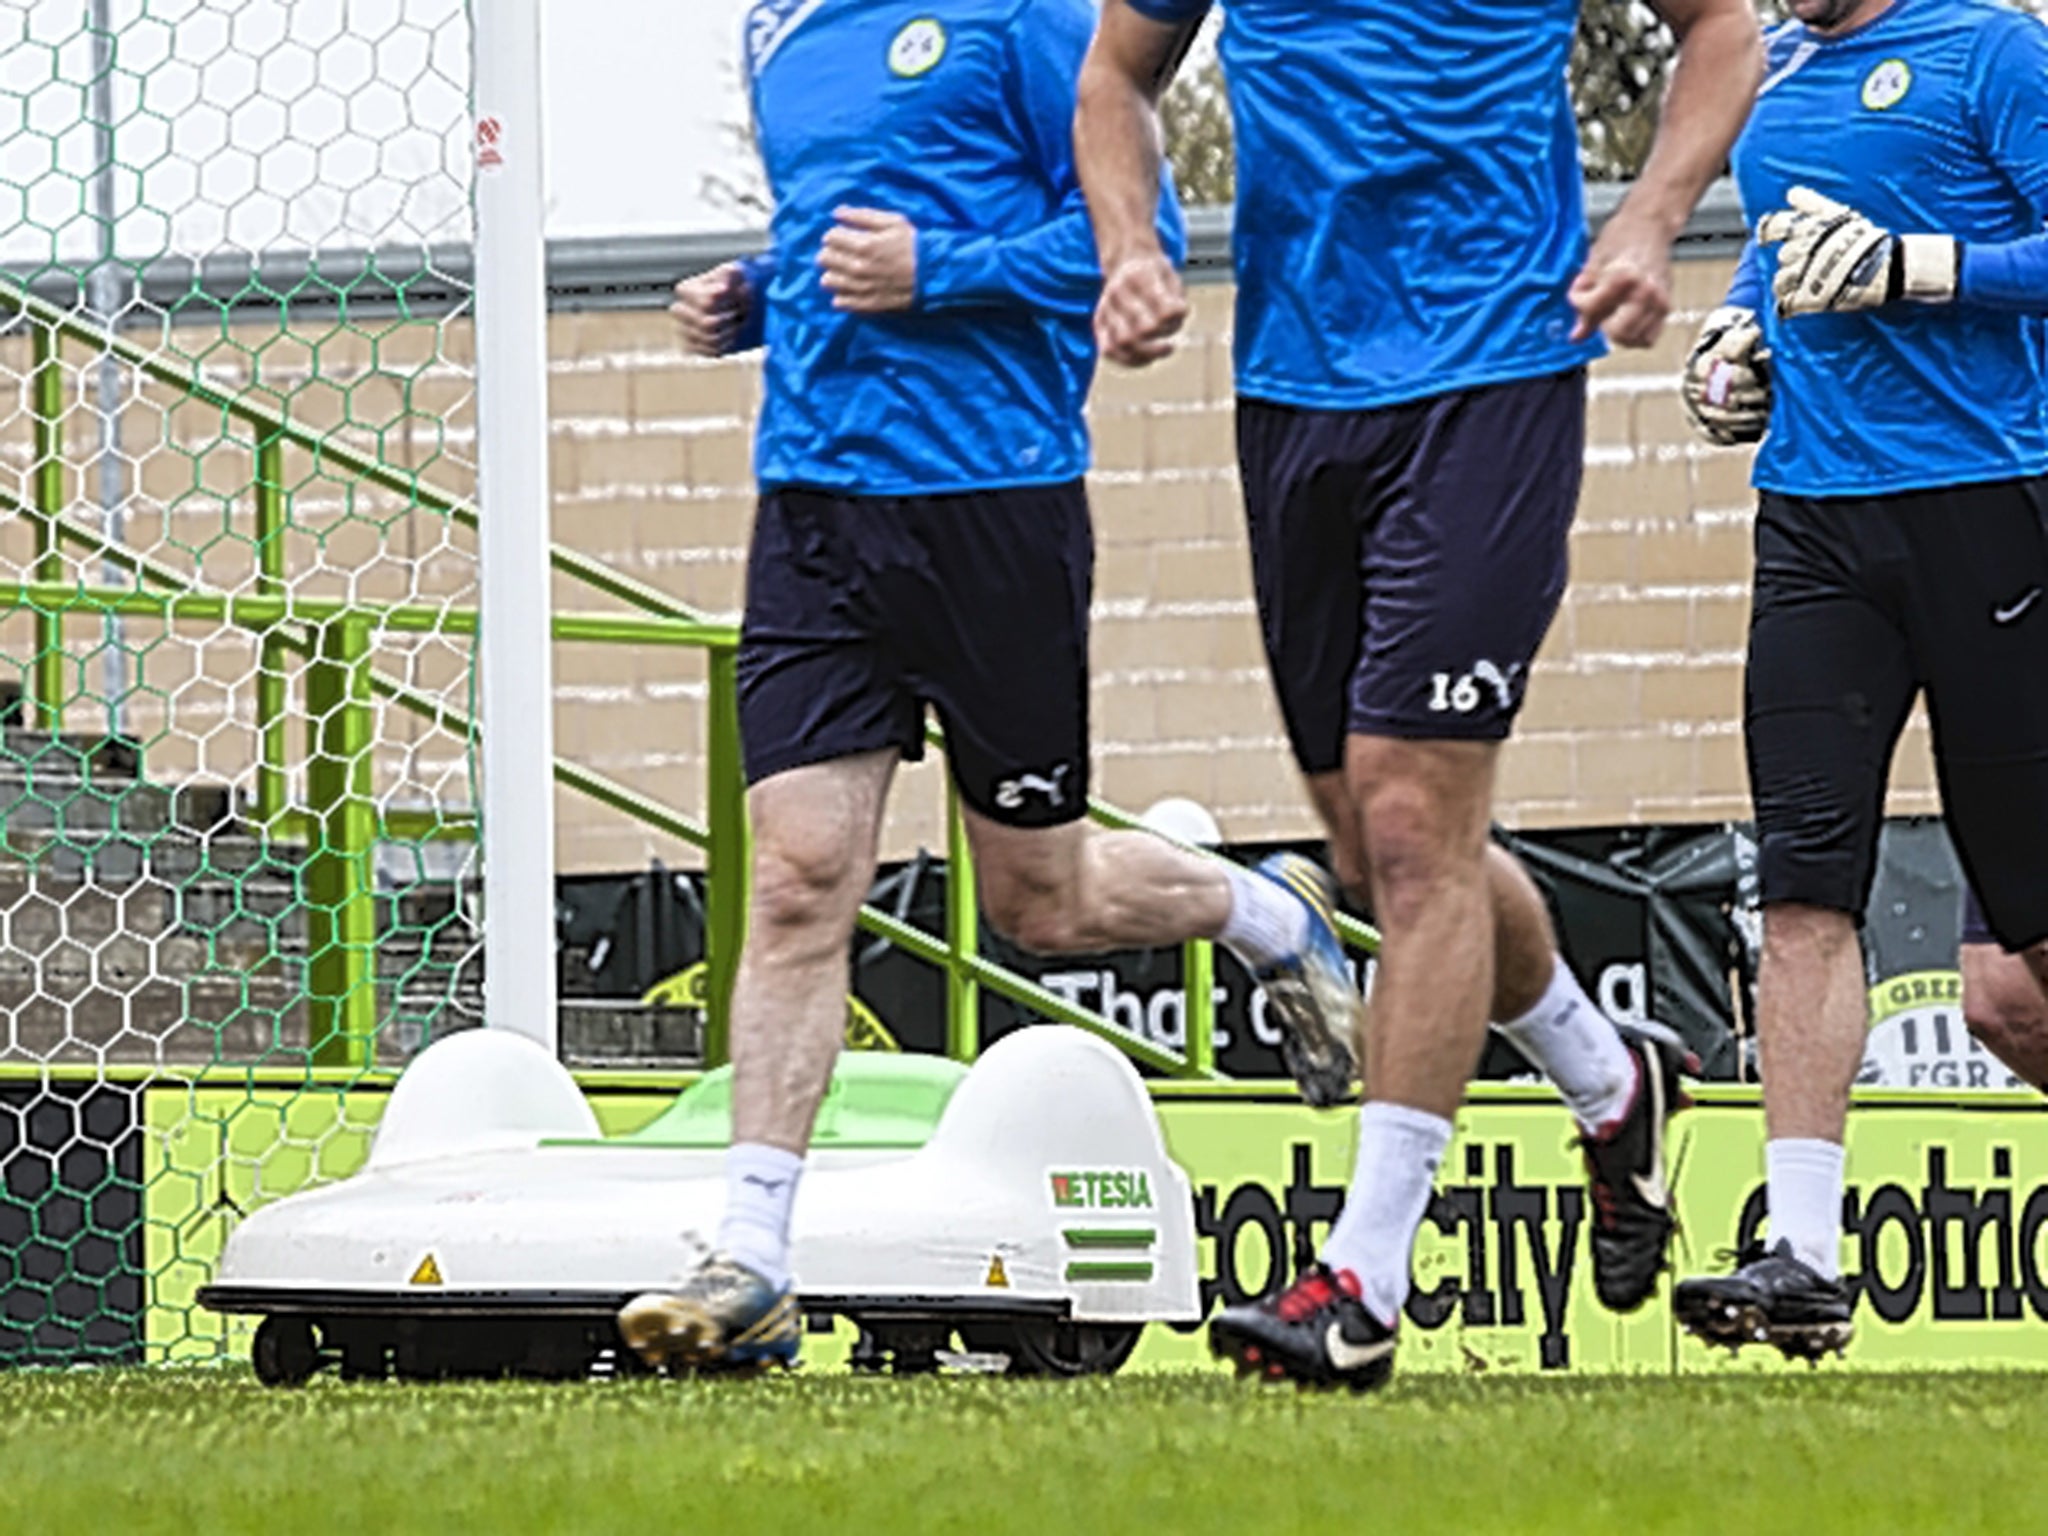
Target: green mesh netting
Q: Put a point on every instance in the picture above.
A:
(234, 364)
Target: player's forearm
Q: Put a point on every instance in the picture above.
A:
(1117, 148)
(1049, 270)
(1720, 61)
(2013, 275)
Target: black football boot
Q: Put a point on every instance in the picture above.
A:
(1625, 1171)
(1772, 1298)
(1316, 1333)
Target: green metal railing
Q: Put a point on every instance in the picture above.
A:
(340, 822)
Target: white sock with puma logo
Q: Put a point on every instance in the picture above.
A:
(1374, 1235)
(760, 1189)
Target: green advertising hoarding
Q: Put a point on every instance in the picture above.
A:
(1946, 1210)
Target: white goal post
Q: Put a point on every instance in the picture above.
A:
(514, 645)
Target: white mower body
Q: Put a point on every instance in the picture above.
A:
(1033, 1186)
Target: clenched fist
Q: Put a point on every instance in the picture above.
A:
(1142, 308)
(869, 259)
(711, 307)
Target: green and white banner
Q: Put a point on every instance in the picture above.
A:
(1944, 1216)
(1945, 1219)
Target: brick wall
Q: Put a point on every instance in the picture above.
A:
(1632, 711)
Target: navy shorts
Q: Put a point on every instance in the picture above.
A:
(1976, 926)
(862, 610)
(1862, 602)
(1408, 560)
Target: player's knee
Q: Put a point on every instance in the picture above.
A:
(2035, 958)
(1794, 931)
(2016, 1036)
(804, 886)
(2003, 1005)
(1413, 845)
(1040, 932)
(1993, 1026)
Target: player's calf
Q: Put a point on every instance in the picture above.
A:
(2006, 1008)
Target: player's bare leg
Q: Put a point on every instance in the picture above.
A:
(1423, 810)
(1078, 889)
(815, 833)
(2036, 956)
(1524, 945)
(1622, 1083)
(1812, 1018)
(1525, 949)
(2005, 1004)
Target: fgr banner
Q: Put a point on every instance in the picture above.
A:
(1944, 1219)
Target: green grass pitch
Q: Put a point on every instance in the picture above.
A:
(212, 1452)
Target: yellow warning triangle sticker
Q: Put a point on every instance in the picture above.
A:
(997, 1275)
(429, 1272)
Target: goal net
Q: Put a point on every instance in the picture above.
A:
(237, 772)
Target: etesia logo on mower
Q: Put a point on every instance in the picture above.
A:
(1103, 1189)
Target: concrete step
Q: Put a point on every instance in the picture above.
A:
(34, 910)
(628, 1034)
(186, 948)
(261, 1020)
(85, 810)
(261, 911)
(172, 857)
(82, 754)
(193, 1019)
(88, 786)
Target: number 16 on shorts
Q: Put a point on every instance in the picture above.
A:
(1485, 683)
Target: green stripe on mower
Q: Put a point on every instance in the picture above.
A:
(1110, 1237)
(1086, 1269)
(875, 1100)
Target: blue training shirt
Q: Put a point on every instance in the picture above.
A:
(1931, 119)
(957, 114)
(1409, 210)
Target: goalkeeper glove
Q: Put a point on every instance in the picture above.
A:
(1837, 260)
(1726, 388)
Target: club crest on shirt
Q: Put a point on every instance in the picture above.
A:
(1887, 84)
(917, 49)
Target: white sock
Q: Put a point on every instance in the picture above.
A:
(760, 1188)
(1266, 922)
(1374, 1236)
(1578, 1048)
(1806, 1200)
